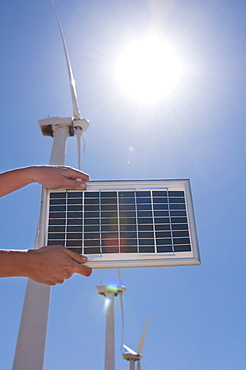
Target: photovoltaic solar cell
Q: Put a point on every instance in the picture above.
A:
(120, 221)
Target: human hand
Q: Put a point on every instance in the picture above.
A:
(54, 177)
(51, 177)
(53, 264)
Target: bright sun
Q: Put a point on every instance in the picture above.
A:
(148, 70)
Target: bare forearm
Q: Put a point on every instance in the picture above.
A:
(13, 263)
(15, 179)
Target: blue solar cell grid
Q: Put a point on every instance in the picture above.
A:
(119, 221)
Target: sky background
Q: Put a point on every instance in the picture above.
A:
(197, 132)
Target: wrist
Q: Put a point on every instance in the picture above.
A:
(40, 174)
(32, 173)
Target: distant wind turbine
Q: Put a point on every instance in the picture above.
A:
(110, 292)
(133, 356)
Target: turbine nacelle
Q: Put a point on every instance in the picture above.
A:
(49, 125)
(131, 355)
(109, 291)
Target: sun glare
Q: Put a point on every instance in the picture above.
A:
(148, 70)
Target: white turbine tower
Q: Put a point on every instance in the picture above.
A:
(133, 356)
(30, 347)
(110, 292)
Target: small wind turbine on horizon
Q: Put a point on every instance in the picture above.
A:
(30, 347)
(133, 356)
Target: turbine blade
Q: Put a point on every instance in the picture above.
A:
(76, 111)
(141, 343)
(84, 142)
(119, 278)
(139, 365)
(78, 134)
(129, 350)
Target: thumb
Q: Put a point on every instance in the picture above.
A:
(83, 270)
(75, 184)
(75, 256)
(79, 268)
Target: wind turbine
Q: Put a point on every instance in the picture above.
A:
(73, 125)
(133, 356)
(30, 347)
(110, 292)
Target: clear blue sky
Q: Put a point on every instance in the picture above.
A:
(198, 132)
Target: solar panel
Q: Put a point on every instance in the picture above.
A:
(125, 223)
